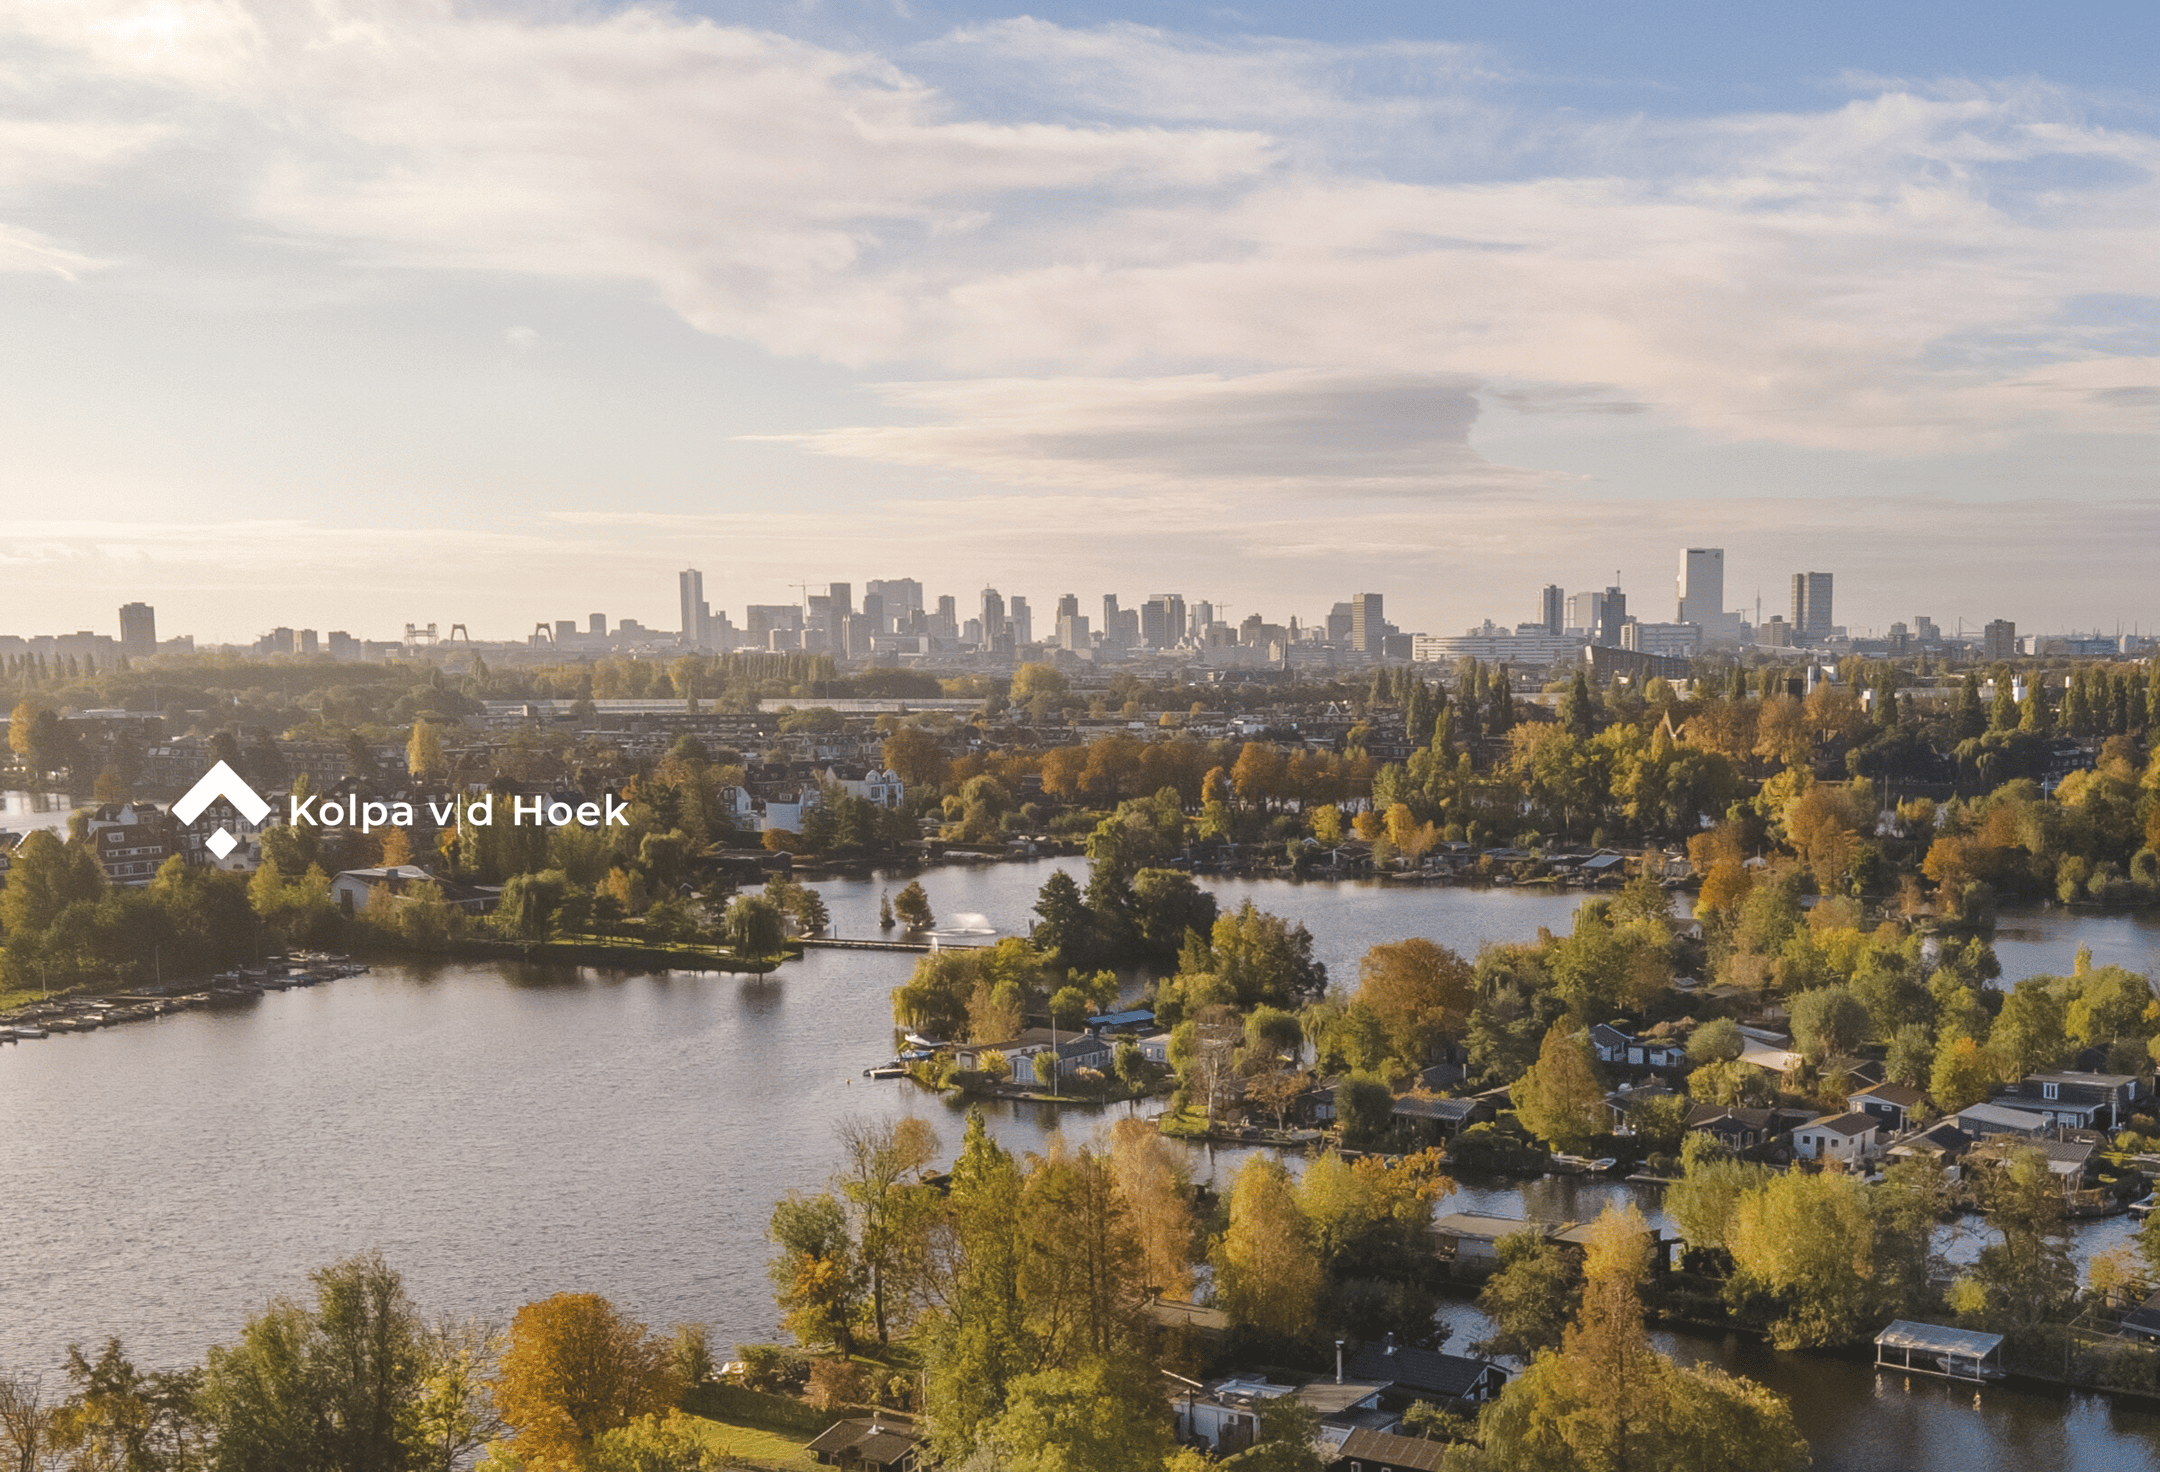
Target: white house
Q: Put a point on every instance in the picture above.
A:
(1838, 1138)
(881, 786)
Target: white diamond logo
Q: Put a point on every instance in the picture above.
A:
(221, 781)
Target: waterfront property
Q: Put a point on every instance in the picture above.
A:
(1838, 1139)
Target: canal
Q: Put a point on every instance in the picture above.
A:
(504, 1132)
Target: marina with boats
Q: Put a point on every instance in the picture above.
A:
(78, 1012)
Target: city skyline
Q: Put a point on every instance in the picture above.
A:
(1034, 302)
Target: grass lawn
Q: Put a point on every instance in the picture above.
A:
(776, 1449)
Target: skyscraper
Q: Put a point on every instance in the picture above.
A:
(993, 617)
(1999, 640)
(1611, 618)
(1702, 586)
(690, 584)
(1552, 609)
(843, 599)
(1366, 623)
(1022, 619)
(902, 596)
(138, 628)
(1811, 606)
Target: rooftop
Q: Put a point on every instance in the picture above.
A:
(1938, 1339)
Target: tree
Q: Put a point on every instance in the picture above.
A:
(1809, 1242)
(119, 1417)
(1101, 1417)
(424, 753)
(1559, 1098)
(1828, 1022)
(1158, 1205)
(887, 1212)
(575, 1368)
(1267, 1273)
(753, 927)
(46, 876)
(1963, 1074)
(1703, 1201)
(27, 1441)
(1717, 1041)
(1421, 992)
(455, 1414)
(1065, 930)
(335, 1385)
(1609, 1402)
(2026, 1276)
(913, 907)
(978, 1343)
(1529, 1299)
(1365, 1108)
(817, 1275)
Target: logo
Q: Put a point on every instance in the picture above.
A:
(221, 781)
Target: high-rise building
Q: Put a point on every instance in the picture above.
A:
(1162, 620)
(1701, 586)
(138, 628)
(1366, 623)
(1584, 610)
(873, 609)
(597, 625)
(993, 617)
(1113, 626)
(1203, 614)
(947, 623)
(1999, 640)
(1021, 618)
(1552, 608)
(761, 619)
(565, 630)
(1068, 605)
(1611, 618)
(1811, 619)
(843, 599)
(1072, 628)
(902, 596)
(690, 585)
(1338, 625)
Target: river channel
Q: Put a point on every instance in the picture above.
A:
(503, 1132)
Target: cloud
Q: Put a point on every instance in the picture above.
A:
(1295, 430)
(1070, 207)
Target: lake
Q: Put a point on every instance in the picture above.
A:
(504, 1132)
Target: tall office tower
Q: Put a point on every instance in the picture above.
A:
(1113, 627)
(1203, 614)
(1701, 586)
(873, 609)
(843, 599)
(819, 629)
(138, 628)
(902, 596)
(855, 632)
(1612, 617)
(993, 617)
(1022, 619)
(1068, 605)
(1338, 625)
(1072, 628)
(1584, 611)
(596, 624)
(1552, 608)
(947, 623)
(690, 583)
(1811, 606)
(1925, 631)
(1366, 623)
(1999, 640)
(1162, 620)
(565, 630)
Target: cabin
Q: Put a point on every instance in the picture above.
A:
(1942, 1142)
(1838, 1139)
(1980, 1120)
(2085, 1101)
(1379, 1451)
(1623, 1049)
(1892, 1103)
(1473, 1241)
(1450, 1381)
(1442, 1119)
(870, 1445)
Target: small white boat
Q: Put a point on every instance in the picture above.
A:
(2141, 1209)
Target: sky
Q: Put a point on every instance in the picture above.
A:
(343, 315)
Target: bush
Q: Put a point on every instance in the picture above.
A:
(773, 1367)
(836, 1382)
